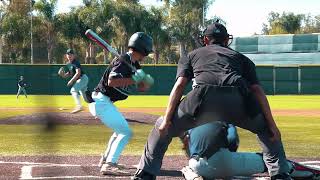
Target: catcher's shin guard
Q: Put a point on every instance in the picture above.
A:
(227, 164)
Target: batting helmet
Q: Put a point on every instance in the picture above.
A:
(141, 42)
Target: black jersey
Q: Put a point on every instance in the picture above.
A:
(118, 68)
(22, 83)
(219, 66)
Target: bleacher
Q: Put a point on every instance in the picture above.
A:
(288, 49)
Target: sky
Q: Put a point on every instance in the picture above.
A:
(243, 17)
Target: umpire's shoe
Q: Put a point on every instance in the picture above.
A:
(143, 175)
(283, 176)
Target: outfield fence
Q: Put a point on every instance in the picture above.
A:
(43, 79)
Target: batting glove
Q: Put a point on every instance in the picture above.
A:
(148, 79)
(139, 75)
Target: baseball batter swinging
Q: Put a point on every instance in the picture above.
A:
(123, 76)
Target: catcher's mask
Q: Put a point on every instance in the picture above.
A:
(201, 39)
(217, 31)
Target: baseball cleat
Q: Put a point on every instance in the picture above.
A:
(102, 161)
(189, 174)
(113, 169)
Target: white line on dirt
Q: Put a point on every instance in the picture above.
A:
(314, 166)
(310, 162)
(44, 164)
(26, 172)
(78, 177)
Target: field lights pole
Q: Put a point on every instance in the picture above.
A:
(31, 38)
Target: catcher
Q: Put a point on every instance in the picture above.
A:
(212, 149)
(123, 76)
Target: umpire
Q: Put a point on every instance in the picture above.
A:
(226, 88)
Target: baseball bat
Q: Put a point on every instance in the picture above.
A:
(102, 43)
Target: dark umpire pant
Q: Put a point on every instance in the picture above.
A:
(209, 103)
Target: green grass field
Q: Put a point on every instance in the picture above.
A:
(276, 102)
(301, 135)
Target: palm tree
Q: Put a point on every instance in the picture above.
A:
(185, 18)
(153, 24)
(14, 30)
(48, 29)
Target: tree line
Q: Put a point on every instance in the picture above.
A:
(173, 26)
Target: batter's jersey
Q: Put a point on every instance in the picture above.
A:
(219, 66)
(119, 68)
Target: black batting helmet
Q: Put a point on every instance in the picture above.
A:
(141, 42)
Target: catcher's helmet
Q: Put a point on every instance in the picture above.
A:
(141, 42)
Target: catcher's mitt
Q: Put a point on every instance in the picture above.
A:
(64, 73)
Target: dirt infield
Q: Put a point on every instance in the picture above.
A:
(85, 167)
(76, 167)
(82, 118)
(276, 112)
(81, 167)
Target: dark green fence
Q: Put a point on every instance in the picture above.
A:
(310, 79)
(266, 77)
(43, 79)
(286, 79)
